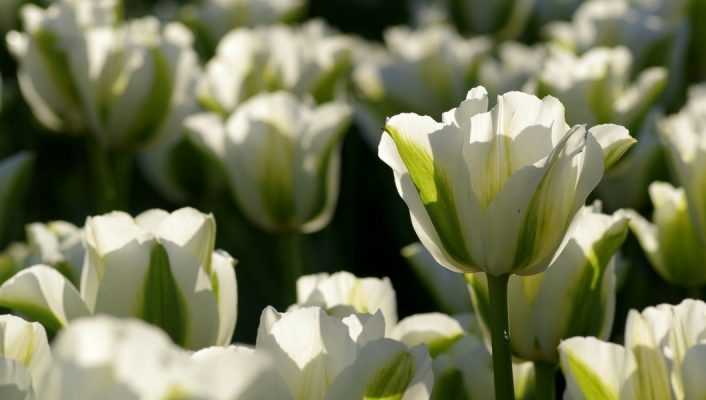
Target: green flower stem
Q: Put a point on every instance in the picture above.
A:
(291, 265)
(500, 337)
(111, 174)
(544, 384)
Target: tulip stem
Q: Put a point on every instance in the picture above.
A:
(500, 337)
(111, 175)
(291, 255)
(544, 385)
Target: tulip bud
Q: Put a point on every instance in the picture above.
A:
(481, 185)
(575, 296)
(25, 358)
(425, 71)
(212, 19)
(660, 359)
(81, 71)
(159, 267)
(673, 242)
(282, 157)
(343, 293)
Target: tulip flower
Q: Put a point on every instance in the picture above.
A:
(342, 294)
(25, 358)
(653, 34)
(596, 87)
(311, 60)
(213, 19)
(426, 71)
(56, 243)
(311, 348)
(481, 188)
(663, 357)
(82, 71)
(15, 174)
(673, 242)
(461, 361)
(282, 157)
(159, 267)
(683, 136)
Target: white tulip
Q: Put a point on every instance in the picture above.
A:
(482, 186)
(426, 71)
(596, 87)
(282, 157)
(446, 287)
(212, 19)
(673, 242)
(56, 243)
(107, 358)
(311, 60)
(343, 293)
(575, 296)
(14, 178)
(310, 348)
(159, 267)
(663, 352)
(25, 358)
(81, 71)
(684, 136)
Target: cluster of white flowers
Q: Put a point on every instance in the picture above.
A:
(499, 121)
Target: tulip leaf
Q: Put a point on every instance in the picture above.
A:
(436, 194)
(164, 305)
(390, 382)
(155, 107)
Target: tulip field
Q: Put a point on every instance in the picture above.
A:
(352, 199)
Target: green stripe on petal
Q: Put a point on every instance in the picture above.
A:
(156, 107)
(390, 382)
(163, 304)
(57, 65)
(436, 194)
(276, 181)
(590, 384)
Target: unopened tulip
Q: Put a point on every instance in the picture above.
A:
(480, 186)
(672, 241)
(83, 71)
(282, 157)
(663, 357)
(159, 267)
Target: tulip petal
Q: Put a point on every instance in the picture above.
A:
(43, 294)
(693, 372)
(615, 140)
(595, 369)
(226, 289)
